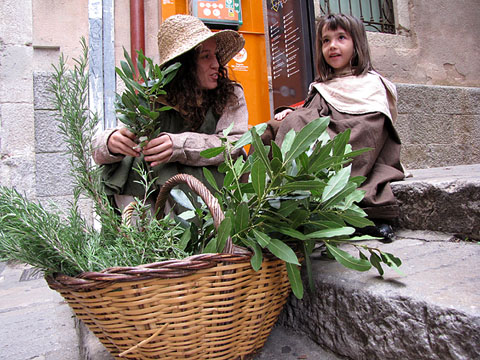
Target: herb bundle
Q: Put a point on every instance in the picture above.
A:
(58, 242)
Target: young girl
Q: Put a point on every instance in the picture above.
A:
(355, 97)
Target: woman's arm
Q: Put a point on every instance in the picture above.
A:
(186, 147)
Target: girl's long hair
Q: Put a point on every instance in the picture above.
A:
(184, 92)
(360, 62)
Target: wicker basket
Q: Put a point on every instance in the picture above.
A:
(208, 306)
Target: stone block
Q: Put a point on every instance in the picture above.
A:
(18, 172)
(17, 135)
(431, 311)
(16, 74)
(430, 128)
(443, 199)
(426, 99)
(47, 135)
(12, 12)
(53, 175)
(41, 93)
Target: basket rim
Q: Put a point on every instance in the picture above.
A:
(165, 269)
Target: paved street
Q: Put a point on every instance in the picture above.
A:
(36, 324)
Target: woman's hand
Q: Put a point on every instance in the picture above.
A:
(282, 114)
(122, 141)
(158, 150)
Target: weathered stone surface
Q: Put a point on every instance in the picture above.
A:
(17, 172)
(431, 312)
(438, 125)
(53, 175)
(441, 199)
(42, 97)
(47, 135)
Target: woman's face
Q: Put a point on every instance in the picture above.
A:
(207, 65)
(337, 48)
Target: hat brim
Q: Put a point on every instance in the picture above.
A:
(229, 43)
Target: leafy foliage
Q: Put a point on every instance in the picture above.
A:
(298, 195)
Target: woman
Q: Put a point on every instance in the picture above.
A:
(204, 102)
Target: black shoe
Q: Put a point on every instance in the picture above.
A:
(383, 231)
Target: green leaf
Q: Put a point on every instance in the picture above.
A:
(357, 152)
(257, 258)
(141, 69)
(261, 150)
(307, 136)
(228, 179)
(319, 155)
(295, 280)
(307, 251)
(292, 233)
(287, 142)
(242, 217)
(287, 207)
(258, 177)
(247, 137)
(129, 62)
(348, 260)
(375, 261)
(353, 219)
(392, 261)
(210, 178)
(329, 233)
(336, 183)
(211, 247)
(262, 238)
(185, 239)
(282, 251)
(307, 185)
(276, 152)
(212, 152)
(228, 129)
(224, 231)
(340, 143)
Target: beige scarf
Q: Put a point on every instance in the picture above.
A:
(360, 94)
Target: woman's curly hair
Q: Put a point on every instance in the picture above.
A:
(184, 92)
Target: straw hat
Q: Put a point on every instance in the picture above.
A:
(181, 33)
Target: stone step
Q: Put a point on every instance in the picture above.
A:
(443, 199)
(432, 311)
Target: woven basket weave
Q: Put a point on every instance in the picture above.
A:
(208, 306)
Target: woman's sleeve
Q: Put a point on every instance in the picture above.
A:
(101, 154)
(188, 145)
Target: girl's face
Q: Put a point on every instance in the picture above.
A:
(207, 65)
(337, 49)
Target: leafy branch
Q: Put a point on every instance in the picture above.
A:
(298, 195)
(138, 106)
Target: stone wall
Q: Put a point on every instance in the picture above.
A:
(438, 125)
(17, 158)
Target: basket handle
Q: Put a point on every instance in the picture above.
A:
(201, 190)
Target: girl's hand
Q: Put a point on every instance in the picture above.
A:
(282, 114)
(122, 141)
(158, 150)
